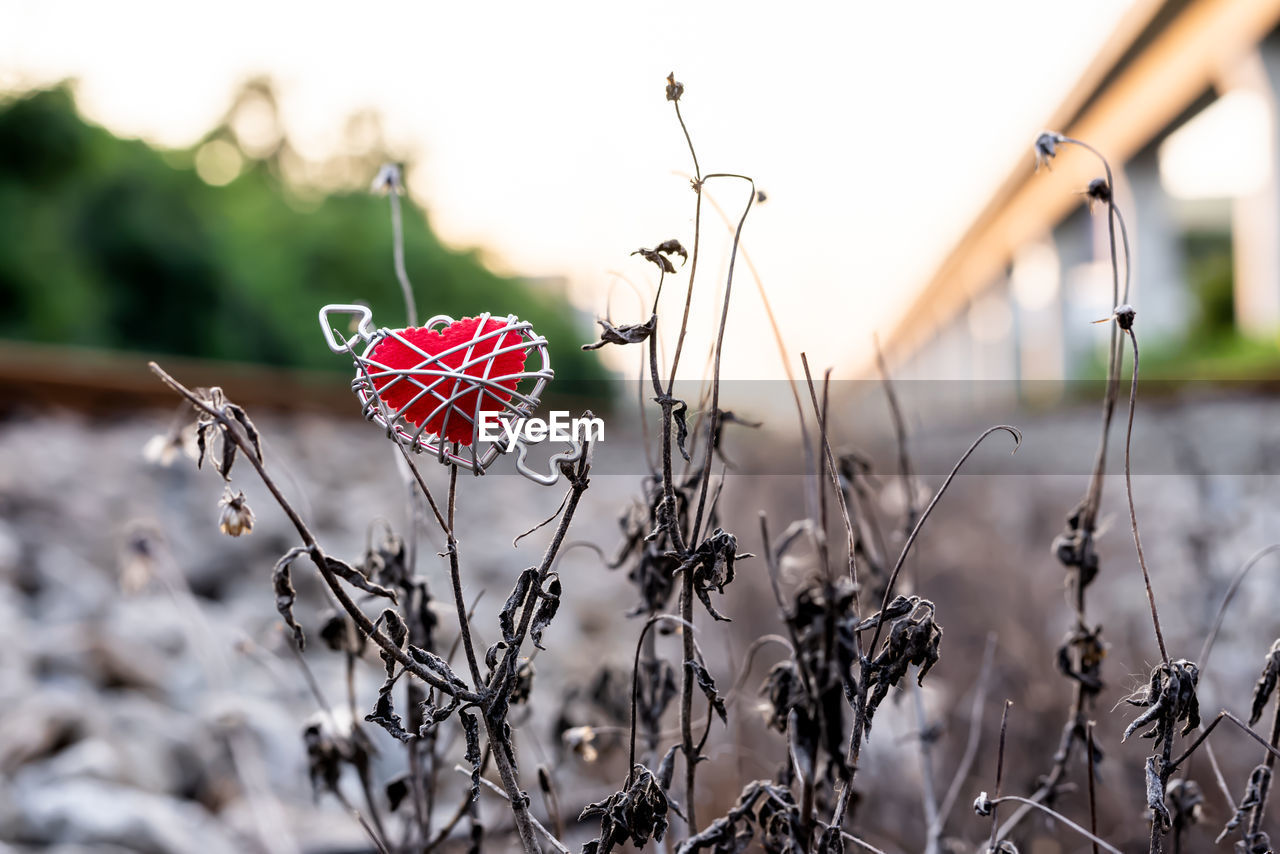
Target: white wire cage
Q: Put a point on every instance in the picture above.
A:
(437, 400)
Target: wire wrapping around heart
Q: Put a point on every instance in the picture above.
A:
(431, 385)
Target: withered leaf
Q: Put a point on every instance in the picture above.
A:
(354, 577)
(1266, 684)
(324, 759)
(1155, 794)
(438, 665)
(433, 716)
(471, 729)
(680, 413)
(667, 767)
(708, 686)
(285, 594)
(397, 631)
(637, 814)
(241, 417)
(630, 334)
(397, 788)
(915, 638)
(334, 632)
(384, 714)
(653, 255)
(672, 247)
(712, 567)
(202, 442)
(548, 604)
(507, 617)
(1169, 699)
(1259, 779)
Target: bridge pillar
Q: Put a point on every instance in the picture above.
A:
(1159, 284)
(1080, 298)
(1255, 217)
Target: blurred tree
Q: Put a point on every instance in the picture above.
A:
(109, 242)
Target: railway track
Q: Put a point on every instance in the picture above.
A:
(104, 382)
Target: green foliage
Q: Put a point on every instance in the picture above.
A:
(1211, 277)
(111, 243)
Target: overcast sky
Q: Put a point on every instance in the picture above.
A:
(876, 129)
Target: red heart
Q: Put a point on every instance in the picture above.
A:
(398, 390)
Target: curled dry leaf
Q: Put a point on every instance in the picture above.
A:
(1266, 683)
(1169, 699)
(631, 334)
(636, 814)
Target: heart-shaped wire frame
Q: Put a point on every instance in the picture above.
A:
(430, 373)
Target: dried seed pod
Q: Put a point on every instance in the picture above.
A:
(1046, 147)
(1098, 191)
(236, 517)
(674, 88)
(1090, 650)
(1074, 549)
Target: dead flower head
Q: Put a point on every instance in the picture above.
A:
(1098, 191)
(581, 740)
(1169, 699)
(163, 449)
(674, 88)
(914, 638)
(236, 517)
(637, 813)
(388, 180)
(1046, 147)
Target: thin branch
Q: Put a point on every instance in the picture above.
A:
(928, 788)
(1212, 637)
(697, 236)
(1128, 485)
(820, 413)
(975, 737)
(455, 581)
(1004, 728)
(635, 686)
(863, 844)
(1222, 715)
(369, 831)
(1060, 817)
(497, 790)
(924, 517)
(317, 555)
(397, 231)
(1093, 797)
(783, 357)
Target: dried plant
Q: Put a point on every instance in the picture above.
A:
(856, 630)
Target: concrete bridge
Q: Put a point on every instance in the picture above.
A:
(1184, 99)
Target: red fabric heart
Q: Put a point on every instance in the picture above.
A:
(397, 391)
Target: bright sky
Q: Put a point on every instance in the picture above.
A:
(876, 129)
